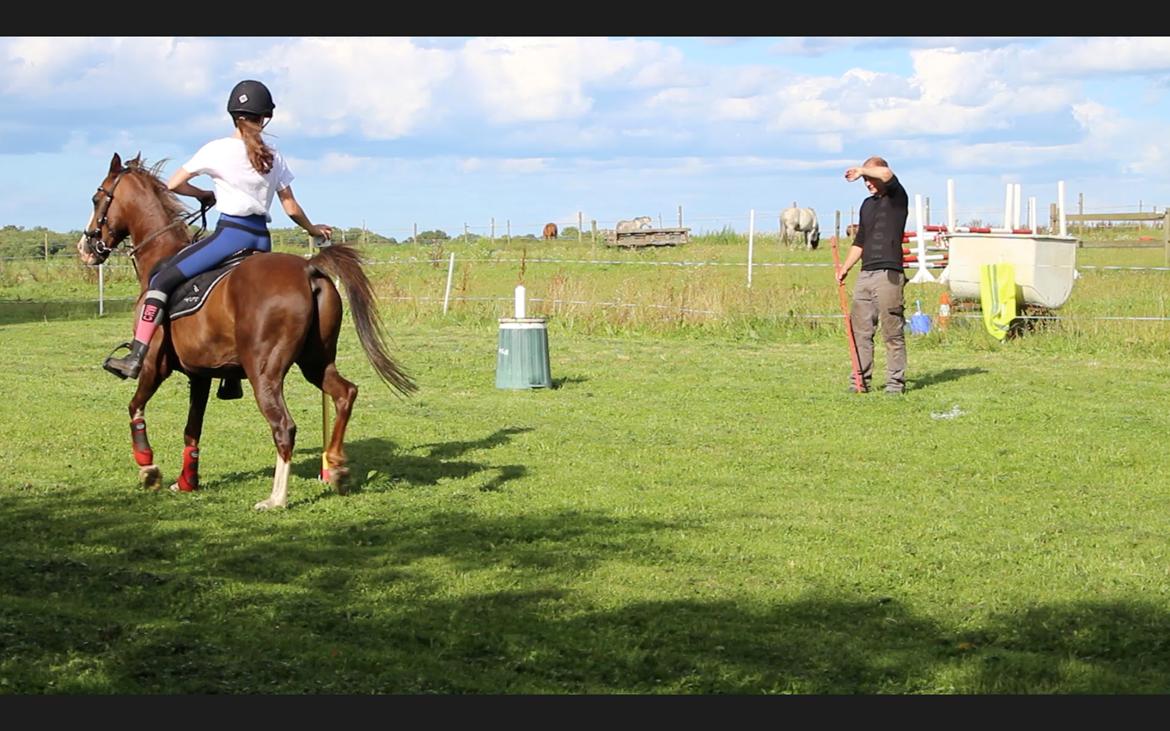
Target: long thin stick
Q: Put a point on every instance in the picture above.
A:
(848, 322)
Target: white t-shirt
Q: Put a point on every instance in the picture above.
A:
(239, 189)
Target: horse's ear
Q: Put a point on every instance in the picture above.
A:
(115, 164)
(137, 159)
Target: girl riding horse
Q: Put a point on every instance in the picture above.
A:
(247, 173)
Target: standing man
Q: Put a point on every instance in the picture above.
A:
(878, 295)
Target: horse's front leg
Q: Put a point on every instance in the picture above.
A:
(149, 475)
(197, 406)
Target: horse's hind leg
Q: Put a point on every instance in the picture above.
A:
(317, 363)
(197, 407)
(269, 391)
(343, 393)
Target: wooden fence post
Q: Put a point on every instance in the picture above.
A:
(580, 225)
(1166, 234)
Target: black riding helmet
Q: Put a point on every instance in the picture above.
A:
(250, 97)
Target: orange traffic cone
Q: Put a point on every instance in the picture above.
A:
(944, 309)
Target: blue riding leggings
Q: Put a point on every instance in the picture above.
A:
(232, 234)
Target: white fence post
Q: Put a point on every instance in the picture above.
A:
(751, 242)
(450, 271)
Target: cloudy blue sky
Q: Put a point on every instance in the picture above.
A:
(390, 132)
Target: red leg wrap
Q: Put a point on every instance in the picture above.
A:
(189, 477)
(143, 454)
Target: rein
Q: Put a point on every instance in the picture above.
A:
(184, 220)
(202, 212)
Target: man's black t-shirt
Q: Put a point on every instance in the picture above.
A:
(881, 223)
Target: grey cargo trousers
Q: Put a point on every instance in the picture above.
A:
(878, 297)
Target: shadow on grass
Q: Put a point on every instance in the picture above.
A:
(949, 374)
(100, 599)
(379, 464)
(563, 380)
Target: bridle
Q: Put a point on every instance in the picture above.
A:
(96, 245)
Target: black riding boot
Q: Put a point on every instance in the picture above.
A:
(127, 366)
(229, 389)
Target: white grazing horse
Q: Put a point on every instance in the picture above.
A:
(801, 221)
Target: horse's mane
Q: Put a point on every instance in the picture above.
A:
(152, 174)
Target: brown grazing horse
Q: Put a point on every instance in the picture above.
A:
(550, 231)
(271, 311)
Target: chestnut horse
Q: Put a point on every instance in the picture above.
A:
(550, 231)
(271, 311)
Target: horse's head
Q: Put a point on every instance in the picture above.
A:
(109, 224)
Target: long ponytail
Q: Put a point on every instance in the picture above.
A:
(259, 153)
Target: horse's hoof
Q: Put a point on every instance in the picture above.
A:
(339, 479)
(151, 477)
(266, 505)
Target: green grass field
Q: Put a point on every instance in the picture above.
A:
(697, 507)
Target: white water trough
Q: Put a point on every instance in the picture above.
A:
(1045, 265)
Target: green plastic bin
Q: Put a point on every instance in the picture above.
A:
(522, 355)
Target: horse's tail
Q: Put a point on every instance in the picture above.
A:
(343, 263)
